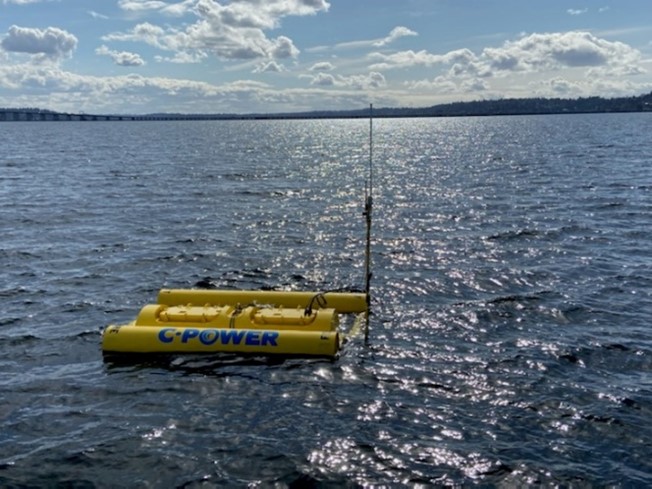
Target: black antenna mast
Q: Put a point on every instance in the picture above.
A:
(367, 213)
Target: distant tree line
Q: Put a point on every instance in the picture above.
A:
(513, 106)
(508, 106)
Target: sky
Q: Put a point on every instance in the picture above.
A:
(275, 56)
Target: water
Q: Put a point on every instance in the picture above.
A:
(510, 342)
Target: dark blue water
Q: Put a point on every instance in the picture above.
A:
(511, 339)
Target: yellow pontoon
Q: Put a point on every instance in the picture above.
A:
(249, 322)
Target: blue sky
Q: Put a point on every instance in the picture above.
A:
(243, 56)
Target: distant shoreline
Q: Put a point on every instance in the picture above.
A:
(529, 106)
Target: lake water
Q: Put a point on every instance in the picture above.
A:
(510, 342)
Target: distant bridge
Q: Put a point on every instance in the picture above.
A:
(17, 115)
(27, 115)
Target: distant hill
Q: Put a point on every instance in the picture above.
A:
(510, 106)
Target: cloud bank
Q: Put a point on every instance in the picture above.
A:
(51, 43)
(259, 66)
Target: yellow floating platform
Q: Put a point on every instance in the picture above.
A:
(251, 322)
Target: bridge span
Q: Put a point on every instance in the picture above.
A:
(18, 115)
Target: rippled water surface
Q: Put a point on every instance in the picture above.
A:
(511, 338)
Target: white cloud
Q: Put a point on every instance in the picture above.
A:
(371, 80)
(396, 33)
(97, 15)
(539, 52)
(531, 53)
(127, 94)
(573, 11)
(570, 64)
(182, 58)
(563, 88)
(440, 85)
(322, 66)
(121, 58)
(229, 31)
(474, 85)
(50, 43)
(283, 47)
(323, 79)
(447, 85)
(145, 32)
(269, 67)
(141, 5)
(403, 59)
(590, 86)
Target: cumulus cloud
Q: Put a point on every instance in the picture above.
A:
(269, 67)
(474, 85)
(396, 33)
(148, 33)
(121, 58)
(127, 93)
(322, 66)
(370, 80)
(565, 64)
(461, 61)
(404, 59)
(229, 31)
(51, 43)
(573, 11)
(562, 87)
(440, 85)
(283, 47)
(323, 79)
(446, 85)
(532, 53)
(574, 49)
